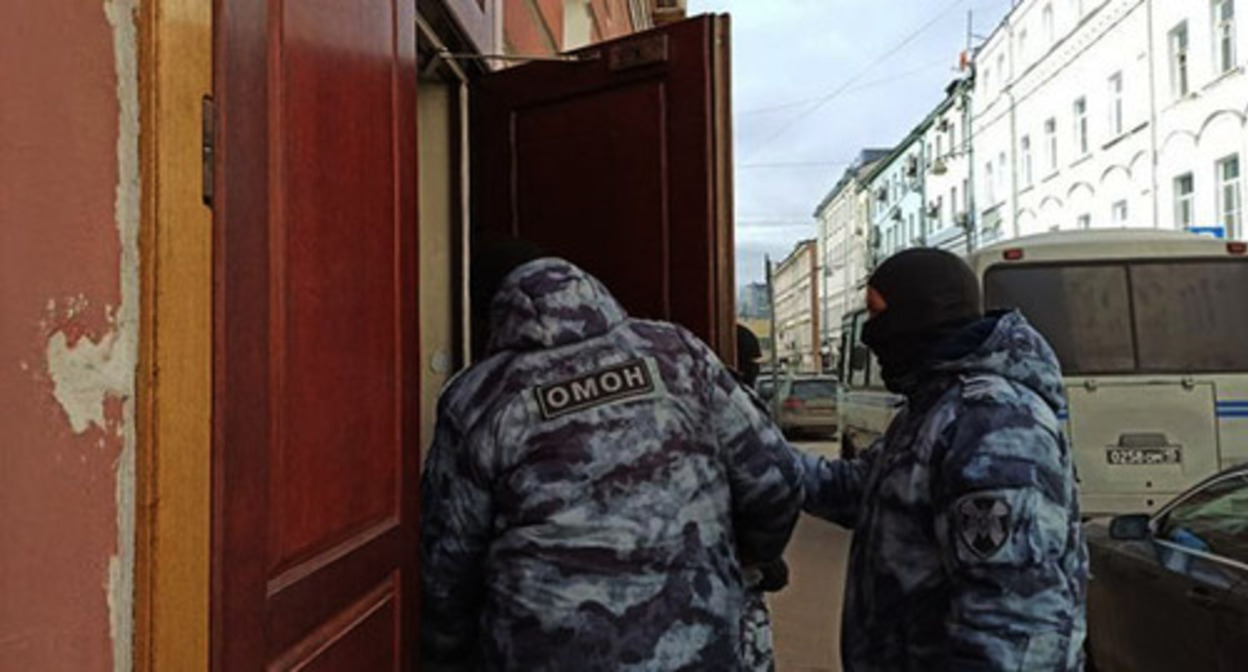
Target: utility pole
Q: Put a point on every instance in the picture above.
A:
(775, 337)
(968, 136)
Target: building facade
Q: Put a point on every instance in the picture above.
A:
(753, 302)
(795, 283)
(842, 222)
(1111, 113)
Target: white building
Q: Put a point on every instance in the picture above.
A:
(920, 191)
(796, 310)
(1101, 113)
(1200, 106)
(843, 226)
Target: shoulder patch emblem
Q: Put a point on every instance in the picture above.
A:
(623, 381)
(984, 524)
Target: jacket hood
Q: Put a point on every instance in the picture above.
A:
(547, 303)
(1006, 345)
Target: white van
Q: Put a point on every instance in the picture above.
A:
(1151, 328)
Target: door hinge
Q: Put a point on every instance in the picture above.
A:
(208, 137)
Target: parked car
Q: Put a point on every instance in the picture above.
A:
(807, 404)
(1169, 591)
(765, 386)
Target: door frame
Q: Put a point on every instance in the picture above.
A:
(174, 456)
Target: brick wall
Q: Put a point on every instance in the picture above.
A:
(537, 26)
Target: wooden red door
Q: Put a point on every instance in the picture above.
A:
(315, 455)
(620, 162)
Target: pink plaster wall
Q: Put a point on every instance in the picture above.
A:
(60, 272)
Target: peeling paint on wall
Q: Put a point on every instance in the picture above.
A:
(121, 16)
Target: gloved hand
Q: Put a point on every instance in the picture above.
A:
(769, 577)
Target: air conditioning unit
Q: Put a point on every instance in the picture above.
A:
(933, 210)
(943, 125)
(961, 219)
(881, 194)
(896, 214)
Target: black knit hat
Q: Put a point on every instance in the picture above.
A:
(925, 289)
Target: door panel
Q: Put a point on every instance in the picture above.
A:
(316, 330)
(618, 162)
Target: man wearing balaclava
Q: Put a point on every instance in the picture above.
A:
(967, 550)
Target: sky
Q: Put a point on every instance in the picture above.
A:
(816, 81)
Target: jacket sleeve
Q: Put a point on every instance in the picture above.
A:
(764, 476)
(1008, 534)
(455, 534)
(834, 488)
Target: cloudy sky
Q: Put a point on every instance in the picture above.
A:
(815, 81)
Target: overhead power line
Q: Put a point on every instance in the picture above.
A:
(819, 102)
(861, 87)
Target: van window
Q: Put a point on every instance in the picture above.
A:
(1191, 316)
(858, 373)
(1083, 311)
(1140, 316)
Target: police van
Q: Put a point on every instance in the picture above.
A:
(1151, 328)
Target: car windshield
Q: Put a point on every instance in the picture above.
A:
(807, 390)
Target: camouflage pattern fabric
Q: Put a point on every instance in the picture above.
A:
(592, 489)
(757, 649)
(967, 551)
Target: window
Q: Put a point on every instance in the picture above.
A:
(990, 191)
(1002, 175)
(1024, 150)
(985, 81)
(1213, 519)
(953, 205)
(1081, 125)
(1224, 34)
(1122, 317)
(1228, 195)
(1115, 104)
(1076, 8)
(809, 390)
(940, 146)
(1005, 77)
(1084, 222)
(1191, 316)
(1178, 61)
(1118, 213)
(1022, 48)
(953, 136)
(1047, 20)
(1050, 141)
(1184, 201)
(1083, 311)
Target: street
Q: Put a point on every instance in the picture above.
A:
(806, 616)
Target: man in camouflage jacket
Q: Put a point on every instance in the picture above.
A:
(967, 551)
(593, 486)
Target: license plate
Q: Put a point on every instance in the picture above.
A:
(1144, 456)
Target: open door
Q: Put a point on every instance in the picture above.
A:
(315, 382)
(620, 163)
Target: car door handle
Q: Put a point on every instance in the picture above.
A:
(1205, 599)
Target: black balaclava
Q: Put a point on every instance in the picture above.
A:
(494, 257)
(927, 294)
(748, 352)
